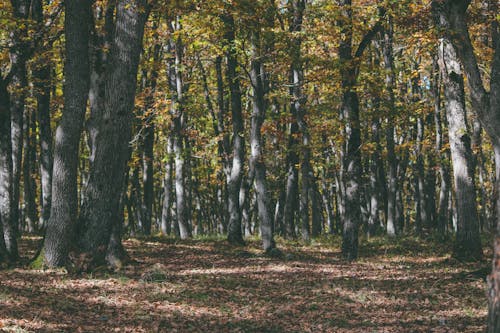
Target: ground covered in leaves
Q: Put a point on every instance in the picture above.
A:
(205, 285)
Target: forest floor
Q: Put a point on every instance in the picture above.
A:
(206, 285)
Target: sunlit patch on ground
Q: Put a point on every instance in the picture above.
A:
(209, 286)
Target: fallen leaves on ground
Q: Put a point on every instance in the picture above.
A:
(210, 286)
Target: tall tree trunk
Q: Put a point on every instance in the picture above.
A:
(178, 131)
(256, 146)
(147, 177)
(42, 86)
(468, 242)
(235, 175)
(298, 110)
(351, 163)
(292, 183)
(374, 197)
(444, 174)
(102, 193)
(18, 55)
(420, 215)
(64, 207)
(5, 173)
(29, 185)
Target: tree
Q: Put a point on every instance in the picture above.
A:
(64, 207)
(257, 76)
(5, 173)
(235, 174)
(451, 18)
(103, 191)
(468, 242)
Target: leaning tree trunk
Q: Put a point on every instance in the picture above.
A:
(468, 242)
(102, 193)
(64, 207)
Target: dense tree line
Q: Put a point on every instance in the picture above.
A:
(278, 118)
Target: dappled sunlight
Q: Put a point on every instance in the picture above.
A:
(209, 286)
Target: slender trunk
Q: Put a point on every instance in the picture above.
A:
(373, 220)
(18, 55)
(166, 216)
(443, 212)
(256, 147)
(5, 173)
(178, 131)
(234, 177)
(420, 216)
(147, 177)
(42, 85)
(29, 185)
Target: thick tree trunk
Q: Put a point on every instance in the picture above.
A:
(468, 242)
(64, 207)
(102, 193)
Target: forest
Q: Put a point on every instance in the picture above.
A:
(249, 166)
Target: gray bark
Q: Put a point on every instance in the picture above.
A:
(468, 242)
(18, 55)
(64, 207)
(178, 128)
(166, 214)
(5, 172)
(256, 147)
(42, 86)
(234, 177)
(444, 173)
(29, 166)
(102, 193)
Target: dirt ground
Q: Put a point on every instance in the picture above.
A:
(206, 285)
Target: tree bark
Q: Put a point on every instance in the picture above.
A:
(468, 242)
(42, 86)
(234, 177)
(102, 193)
(256, 146)
(64, 207)
(18, 55)
(5, 174)
(444, 174)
